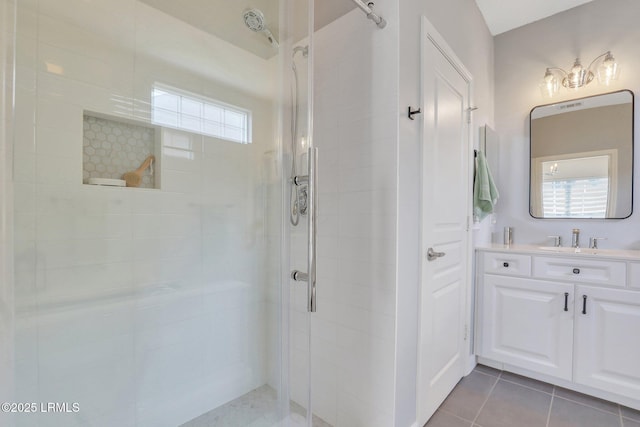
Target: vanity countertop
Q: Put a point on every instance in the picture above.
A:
(626, 254)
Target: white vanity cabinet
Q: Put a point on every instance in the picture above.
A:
(525, 323)
(607, 339)
(573, 319)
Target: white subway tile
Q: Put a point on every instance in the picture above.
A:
(24, 122)
(60, 227)
(113, 19)
(59, 170)
(181, 182)
(58, 114)
(162, 225)
(166, 248)
(181, 271)
(115, 73)
(24, 166)
(24, 227)
(69, 253)
(93, 280)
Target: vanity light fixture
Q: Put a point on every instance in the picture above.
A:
(606, 71)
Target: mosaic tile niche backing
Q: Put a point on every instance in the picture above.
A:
(111, 147)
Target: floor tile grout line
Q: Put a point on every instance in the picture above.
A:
(526, 386)
(487, 399)
(636, 420)
(553, 395)
(455, 415)
(587, 405)
(485, 374)
(620, 413)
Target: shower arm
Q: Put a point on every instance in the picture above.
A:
(379, 20)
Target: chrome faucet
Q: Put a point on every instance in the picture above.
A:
(557, 241)
(575, 238)
(593, 242)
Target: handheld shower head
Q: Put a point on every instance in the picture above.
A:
(303, 49)
(254, 20)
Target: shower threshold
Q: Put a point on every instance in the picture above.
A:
(258, 408)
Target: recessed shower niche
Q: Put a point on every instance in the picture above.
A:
(119, 152)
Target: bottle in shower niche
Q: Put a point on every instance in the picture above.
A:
(508, 236)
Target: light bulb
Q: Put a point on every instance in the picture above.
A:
(578, 77)
(577, 74)
(549, 85)
(608, 70)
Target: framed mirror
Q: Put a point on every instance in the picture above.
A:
(581, 158)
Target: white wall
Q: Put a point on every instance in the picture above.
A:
(462, 26)
(368, 268)
(145, 306)
(521, 58)
(353, 332)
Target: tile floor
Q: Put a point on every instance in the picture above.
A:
(258, 408)
(492, 398)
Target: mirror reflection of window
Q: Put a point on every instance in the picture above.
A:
(581, 157)
(578, 187)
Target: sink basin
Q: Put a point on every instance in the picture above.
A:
(569, 250)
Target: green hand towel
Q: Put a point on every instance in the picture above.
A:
(485, 193)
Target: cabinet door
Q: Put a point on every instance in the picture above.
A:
(525, 324)
(607, 347)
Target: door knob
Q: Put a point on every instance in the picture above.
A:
(431, 254)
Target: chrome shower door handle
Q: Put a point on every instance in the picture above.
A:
(432, 255)
(312, 208)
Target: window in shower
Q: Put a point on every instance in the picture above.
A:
(187, 111)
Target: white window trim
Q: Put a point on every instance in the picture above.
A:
(247, 131)
(537, 178)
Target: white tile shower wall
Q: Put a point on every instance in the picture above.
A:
(7, 348)
(156, 296)
(355, 119)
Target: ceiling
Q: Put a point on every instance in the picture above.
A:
(502, 15)
(223, 19)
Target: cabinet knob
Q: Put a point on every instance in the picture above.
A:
(566, 301)
(576, 271)
(584, 304)
(505, 264)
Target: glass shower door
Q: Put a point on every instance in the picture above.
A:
(157, 301)
(300, 207)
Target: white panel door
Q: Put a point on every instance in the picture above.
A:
(446, 183)
(528, 323)
(607, 348)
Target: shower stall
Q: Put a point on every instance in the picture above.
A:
(156, 305)
(185, 300)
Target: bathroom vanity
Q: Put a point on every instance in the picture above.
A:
(565, 316)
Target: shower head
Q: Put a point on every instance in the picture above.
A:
(254, 20)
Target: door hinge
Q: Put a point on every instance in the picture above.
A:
(469, 110)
